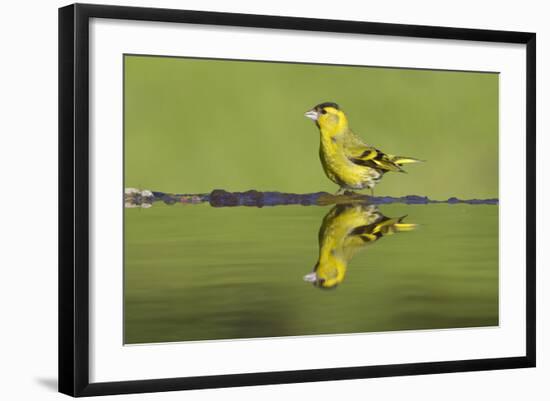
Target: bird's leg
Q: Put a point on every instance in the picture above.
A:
(340, 191)
(372, 192)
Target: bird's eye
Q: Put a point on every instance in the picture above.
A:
(323, 111)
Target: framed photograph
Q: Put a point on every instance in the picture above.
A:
(250, 199)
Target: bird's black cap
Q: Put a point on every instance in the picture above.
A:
(327, 104)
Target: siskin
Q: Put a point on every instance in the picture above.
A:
(346, 229)
(346, 159)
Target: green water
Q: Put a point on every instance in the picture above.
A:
(201, 273)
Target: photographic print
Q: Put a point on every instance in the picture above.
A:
(269, 199)
(255, 199)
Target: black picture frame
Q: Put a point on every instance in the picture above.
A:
(74, 198)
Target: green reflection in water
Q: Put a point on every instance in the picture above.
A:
(202, 273)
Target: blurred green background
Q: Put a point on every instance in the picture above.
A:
(194, 125)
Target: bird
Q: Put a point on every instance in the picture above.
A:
(346, 159)
(346, 229)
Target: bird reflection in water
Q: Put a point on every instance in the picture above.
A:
(346, 229)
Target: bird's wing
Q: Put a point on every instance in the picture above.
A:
(385, 226)
(365, 155)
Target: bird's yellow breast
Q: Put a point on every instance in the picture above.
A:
(338, 167)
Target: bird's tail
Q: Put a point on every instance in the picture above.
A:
(400, 160)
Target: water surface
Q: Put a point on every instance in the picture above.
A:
(197, 272)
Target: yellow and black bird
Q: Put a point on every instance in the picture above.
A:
(346, 229)
(347, 160)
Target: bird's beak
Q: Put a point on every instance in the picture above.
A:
(312, 114)
(311, 277)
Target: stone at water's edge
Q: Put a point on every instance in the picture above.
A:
(134, 197)
(221, 198)
(409, 199)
